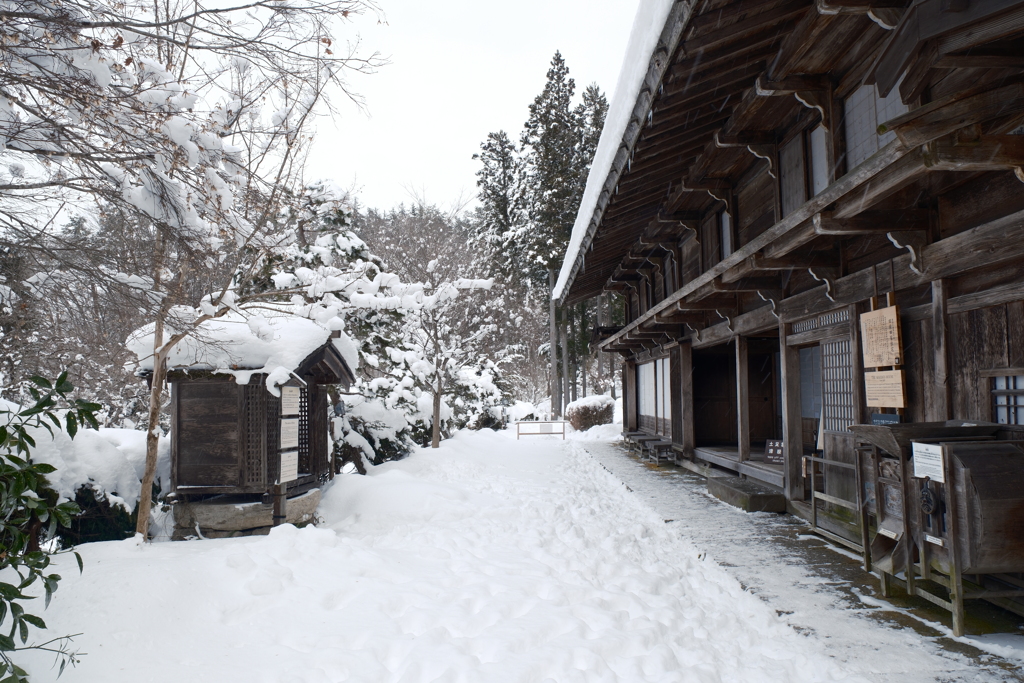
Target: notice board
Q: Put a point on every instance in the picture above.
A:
(880, 338)
(885, 389)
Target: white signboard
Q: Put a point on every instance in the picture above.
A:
(289, 400)
(289, 433)
(928, 462)
(289, 467)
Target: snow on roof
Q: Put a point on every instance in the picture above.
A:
(648, 25)
(272, 343)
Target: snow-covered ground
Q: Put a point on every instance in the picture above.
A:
(811, 584)
(485, 560)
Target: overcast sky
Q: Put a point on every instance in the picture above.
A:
(458, 70)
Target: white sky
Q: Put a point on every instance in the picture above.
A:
(458, 70)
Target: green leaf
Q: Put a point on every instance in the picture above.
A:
(35, 621)
(41, 381)
(23, 630)
(43, 468)
(72, 423)
(80, 565)
(6, 643)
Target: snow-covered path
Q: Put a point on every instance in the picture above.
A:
(487, 560)
(807, 584)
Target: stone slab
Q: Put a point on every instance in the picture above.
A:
(746, 495)
(230, 514)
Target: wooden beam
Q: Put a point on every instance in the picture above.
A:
(742, 399)
(744, 139)
(953, 112)
(976, 61)
(790, 85)
(758, 262)
(871, 222)
(747, 284)
(738, 31)
(987, 153)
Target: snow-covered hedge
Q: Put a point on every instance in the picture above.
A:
(590, 411)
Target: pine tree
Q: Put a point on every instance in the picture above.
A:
(502, 211)
(551, 140)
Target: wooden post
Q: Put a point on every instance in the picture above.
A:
(675, 395)
(939, 387)
(556, 399)
(629, 396)
(688, 439)
(742, 399)
(956, 582)
(792, 431)
(564, 334)
(856, 367)
(280, 504)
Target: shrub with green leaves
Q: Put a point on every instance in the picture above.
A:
(30, 515)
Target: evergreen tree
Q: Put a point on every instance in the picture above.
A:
(502, 211)
(551, 141)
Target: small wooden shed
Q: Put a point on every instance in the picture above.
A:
(230, 438)
(249, 404)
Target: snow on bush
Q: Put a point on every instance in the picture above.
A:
(590, 411)
(110, 462)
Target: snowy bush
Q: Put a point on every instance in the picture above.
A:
(590, 411)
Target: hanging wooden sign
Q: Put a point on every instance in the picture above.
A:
(885, 389)
(880, 336)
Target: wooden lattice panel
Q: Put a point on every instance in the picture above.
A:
(836, 385)
(254, 448)
(305, 466)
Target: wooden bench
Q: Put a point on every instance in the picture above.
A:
(659, 450)
(544, 428)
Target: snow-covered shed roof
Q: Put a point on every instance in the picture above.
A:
(275, 344)
(657, 29)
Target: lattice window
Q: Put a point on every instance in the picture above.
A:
(817, 142)
(255, 447)
(305, 466)
(1008, 399)
(836, 317)
(864, 111)
(837, 385)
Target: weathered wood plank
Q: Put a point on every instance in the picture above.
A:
(742, 397)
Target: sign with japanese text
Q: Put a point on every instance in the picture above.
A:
(880, 338)
(885, 389)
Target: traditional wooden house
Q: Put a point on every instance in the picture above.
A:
(815, 214)
(249, 418)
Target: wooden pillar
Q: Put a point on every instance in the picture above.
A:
(939, 387)
(742, 399)
(688, 438)
(564, 334)
(556, 394)
(280, 504)
(676, 394)
(792, 436)
(629, 396)
(856, 367)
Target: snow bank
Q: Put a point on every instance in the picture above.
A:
(647, 27)
(274, 343)
(109, 461)
(483, 560)
(595, 401)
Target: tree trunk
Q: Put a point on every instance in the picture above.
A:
(556, 398)
(435, 438)
(156, 390)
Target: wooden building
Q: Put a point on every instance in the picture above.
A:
(230, 438)
(249, 409)
(786, 168)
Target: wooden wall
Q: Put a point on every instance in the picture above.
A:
(983, 339)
